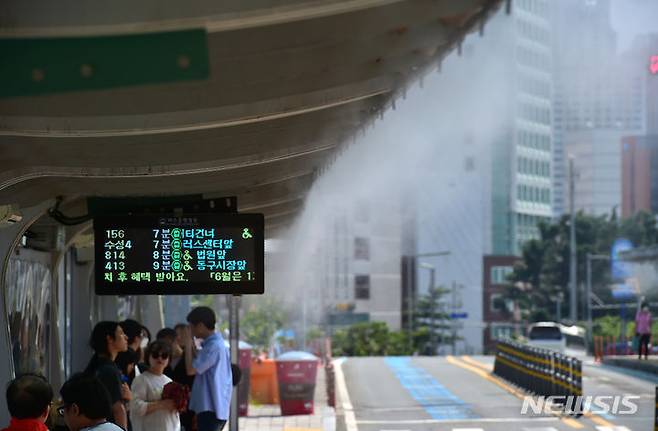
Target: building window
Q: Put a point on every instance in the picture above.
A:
(361, 248)
(498, 274)
(495, 302)
(362, 286)
(501, 332)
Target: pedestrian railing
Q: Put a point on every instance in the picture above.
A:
(539, 371)
(611, 346)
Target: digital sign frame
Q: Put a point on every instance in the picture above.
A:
(179, 254)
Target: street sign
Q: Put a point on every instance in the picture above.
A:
(34, 66)
(619, 269)
(179, 254)
(462, 315)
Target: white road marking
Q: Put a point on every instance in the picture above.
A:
(613, 428)
(467, 429)
(443, 421)
(350, 418)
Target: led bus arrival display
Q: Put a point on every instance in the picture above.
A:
(181, 255)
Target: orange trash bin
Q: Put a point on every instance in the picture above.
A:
(264, 385)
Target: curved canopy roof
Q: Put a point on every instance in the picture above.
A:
(288, 82)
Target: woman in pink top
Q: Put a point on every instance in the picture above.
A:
(643, 330)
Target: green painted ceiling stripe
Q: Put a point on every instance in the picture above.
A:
(31, 67)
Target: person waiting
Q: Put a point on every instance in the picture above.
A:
(643, 329)
(86, 404)
(213, 382)
(148, 411)
(107, 340)
(29, 398)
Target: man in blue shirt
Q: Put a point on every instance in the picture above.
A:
(211, 391)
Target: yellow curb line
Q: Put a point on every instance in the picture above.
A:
(472, 361)
(598, 420)
(480, 372)
(593, 417)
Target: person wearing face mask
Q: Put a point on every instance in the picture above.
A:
(643, 329)
(148, 411)
(138, 339)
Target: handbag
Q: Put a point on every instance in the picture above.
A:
(177, 392)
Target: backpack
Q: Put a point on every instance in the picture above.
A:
(237, 374)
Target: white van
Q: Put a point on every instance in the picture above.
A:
(568, 340)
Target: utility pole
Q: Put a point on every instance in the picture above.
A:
(453, 326)
(434, 329)
(432, 270)
(234, 337)
(573, 291)
(409, 261)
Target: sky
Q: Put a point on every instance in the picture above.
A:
(633, 17)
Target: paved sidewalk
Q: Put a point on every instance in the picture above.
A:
(268, 417)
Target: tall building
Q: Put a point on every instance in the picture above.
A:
(597, 164)
(496, 186)
(599, 97)
(353, 274)
(643, 58)
(522, 158)
(639, 174)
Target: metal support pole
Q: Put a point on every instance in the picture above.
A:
(410, 294)
(454, 321)
(433, 333)
(573, 299)
(588, 299)
(234, 334)
(411, 286)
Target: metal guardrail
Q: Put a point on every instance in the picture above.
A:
(539, 371)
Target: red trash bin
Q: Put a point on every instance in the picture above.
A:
(296, 373)
(245, 382)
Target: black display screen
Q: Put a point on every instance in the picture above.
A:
(187, 254)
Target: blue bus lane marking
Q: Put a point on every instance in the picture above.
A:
(437, 401)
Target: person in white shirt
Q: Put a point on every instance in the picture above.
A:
(148, 411)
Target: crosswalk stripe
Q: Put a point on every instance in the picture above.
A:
(613, 428)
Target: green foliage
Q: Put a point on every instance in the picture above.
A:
(261, 321)
(375, 338)
(543, 273)
(610, 326)
(431, 322)
(372, 339)
(314, 333)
